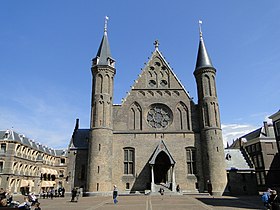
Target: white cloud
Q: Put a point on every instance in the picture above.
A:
(46, 118)
(234, 131)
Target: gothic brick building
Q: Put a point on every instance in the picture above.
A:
(157, 136)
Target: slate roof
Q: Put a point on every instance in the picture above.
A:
(80, 139)
(259, 133)
(10, 135)
(203, 58)
(104, 51)
(235, 160)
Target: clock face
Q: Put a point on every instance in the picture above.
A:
(159, 116)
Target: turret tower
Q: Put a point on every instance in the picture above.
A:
(100, 142)
(210, 125)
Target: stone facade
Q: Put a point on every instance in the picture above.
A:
(157, 136)
(28, 166)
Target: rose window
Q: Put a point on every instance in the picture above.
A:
(159, 116)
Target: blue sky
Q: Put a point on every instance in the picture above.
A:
(46, 49)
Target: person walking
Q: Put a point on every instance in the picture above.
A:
(161, 191)
(37, 206)
(73, 194)
(115, 194)
(274, 200)
(209, 187)
(266, 198)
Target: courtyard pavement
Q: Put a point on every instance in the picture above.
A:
(142, 202)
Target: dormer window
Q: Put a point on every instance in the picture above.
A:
(6, 135)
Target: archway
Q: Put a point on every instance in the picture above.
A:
(161, 168)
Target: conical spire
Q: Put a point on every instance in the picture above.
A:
(103, 56)
(203, 59)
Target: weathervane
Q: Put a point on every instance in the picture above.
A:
(200, 31)
(106, 22)
(156, 43)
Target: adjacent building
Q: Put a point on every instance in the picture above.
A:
(276, 124)
(240, 173)
(261, 148)
(27, 166)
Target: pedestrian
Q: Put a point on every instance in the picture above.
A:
(178, 188)
(26, 205)
(161, 191)
(77, 194)
(115, 194)
(2, 193)
(274, 200)
(32, 198)
(62, 192)
(209, 187)
(266, 198)
(37, 206)
(51, 193)
(73, 194)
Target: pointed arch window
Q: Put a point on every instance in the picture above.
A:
(216, 114)
(207, 86)
(135, 117)
(206, 115)
(191, 160)
(99, 83)
(214, 86)
(184, 118)
(106, 84)
(129, 163)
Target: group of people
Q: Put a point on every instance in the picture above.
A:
(271, 200)
(5, 198)
(30, 200)
(51, 193)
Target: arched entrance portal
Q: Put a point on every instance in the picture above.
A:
(161, 168)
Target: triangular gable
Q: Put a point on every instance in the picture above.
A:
(161, 148)
(158, 75)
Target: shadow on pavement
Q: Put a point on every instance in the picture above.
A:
(246, 202)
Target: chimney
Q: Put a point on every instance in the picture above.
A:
(266, 130)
